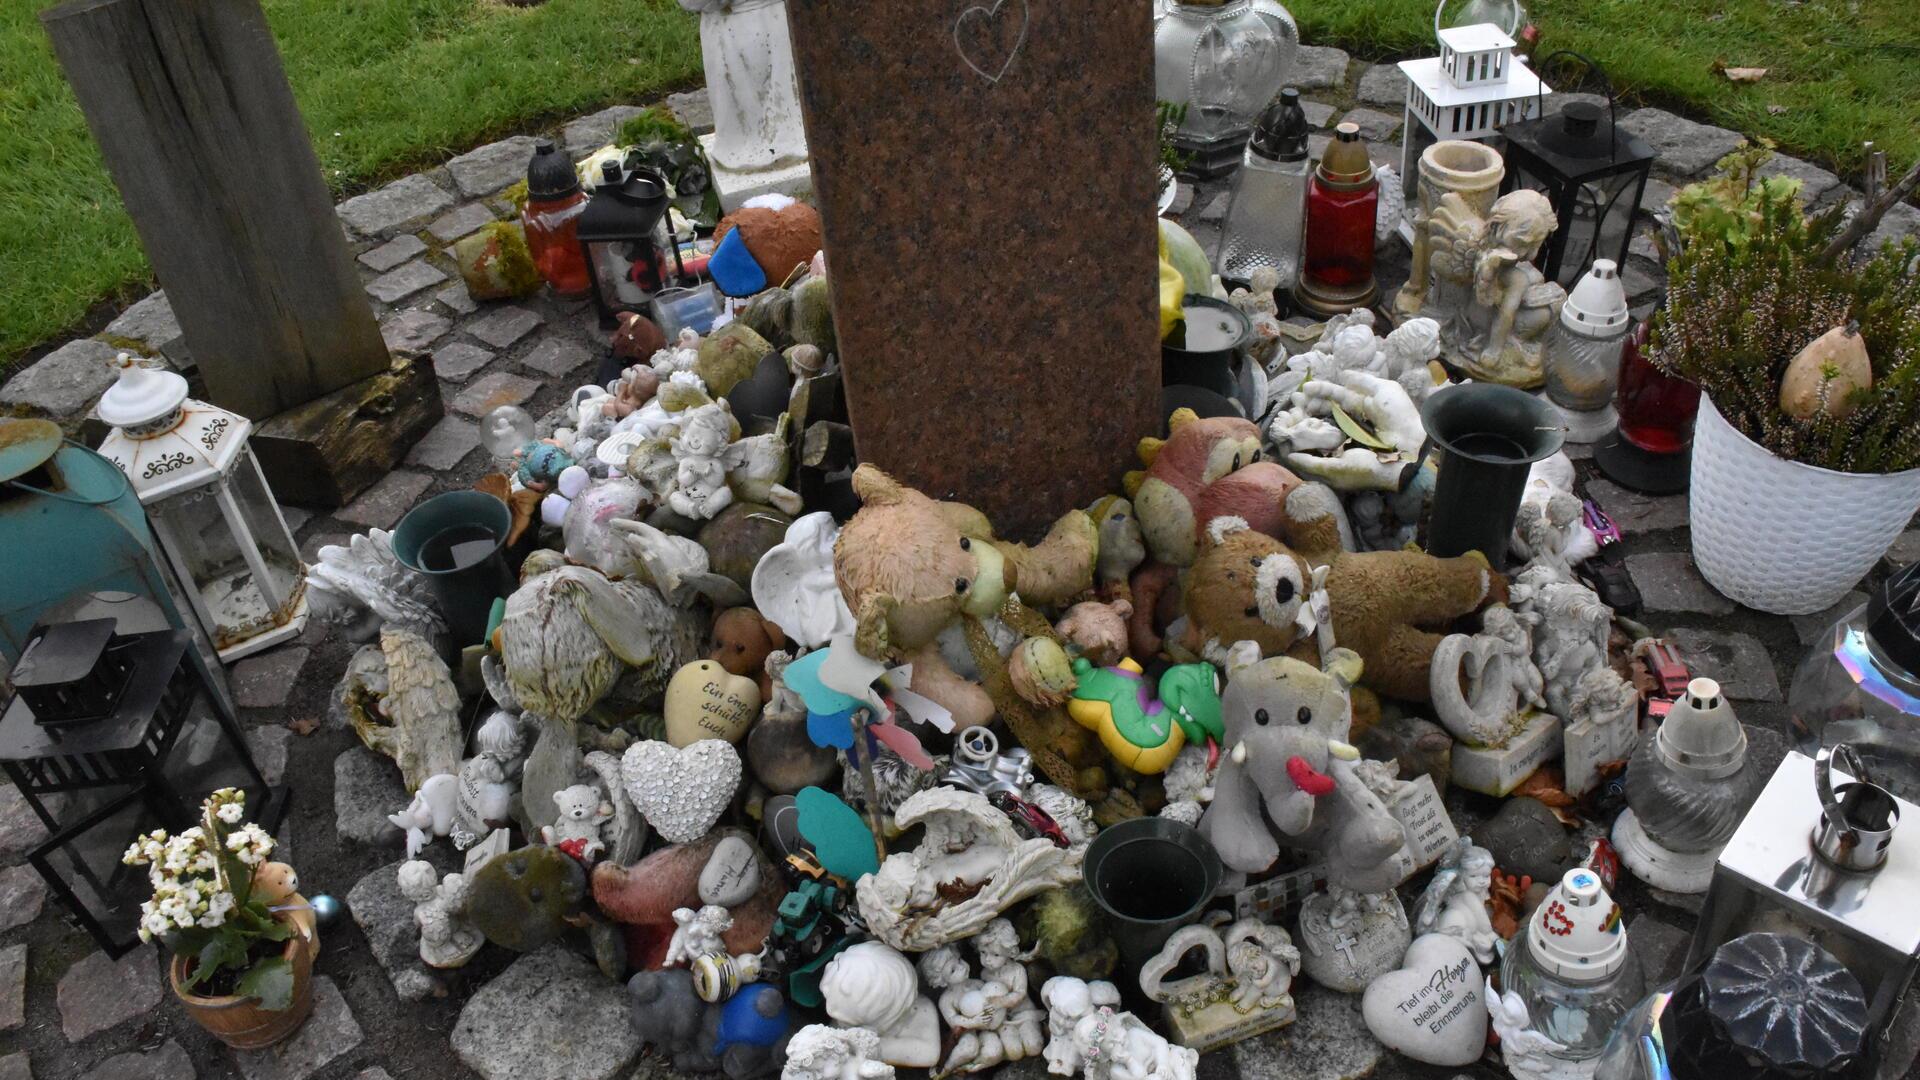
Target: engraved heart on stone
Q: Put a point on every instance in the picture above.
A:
(1434, 1008)
(989, 37)
(681, 792)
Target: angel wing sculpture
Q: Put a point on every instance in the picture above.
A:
(362, 586)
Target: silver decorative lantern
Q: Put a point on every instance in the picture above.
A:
(210, 507)
(1821, 856)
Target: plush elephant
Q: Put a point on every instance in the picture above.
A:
(1289, 769)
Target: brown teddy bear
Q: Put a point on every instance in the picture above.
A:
(742, 639)
(909, 567)
(1247, 586)
(1204, 469)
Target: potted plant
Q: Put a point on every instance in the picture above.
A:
(243, 940)
(1806, 461)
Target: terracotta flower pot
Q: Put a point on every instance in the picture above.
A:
(240, 1022)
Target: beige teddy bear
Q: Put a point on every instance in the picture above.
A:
(577, 830)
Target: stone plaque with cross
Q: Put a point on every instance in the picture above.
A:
(985, 172)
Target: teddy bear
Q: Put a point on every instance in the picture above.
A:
(577, 830)
(275, 884)
(742, 641)
(781, 233)
(1202, 470)
(1290, 770)
(1098, 630)
(909, 567)
(1248, 586)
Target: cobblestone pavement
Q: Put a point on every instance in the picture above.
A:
(65, 1011)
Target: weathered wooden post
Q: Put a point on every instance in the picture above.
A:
(198, 127)
(985, 173)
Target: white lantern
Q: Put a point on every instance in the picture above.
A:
(210, 506)
(1472, 89)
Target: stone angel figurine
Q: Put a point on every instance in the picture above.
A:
(1455, 902)
(700, 465)
(362, 586)
(1494, 307)
(1528, 1054)
(447, 939)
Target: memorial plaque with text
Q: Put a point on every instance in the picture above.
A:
(985, 171)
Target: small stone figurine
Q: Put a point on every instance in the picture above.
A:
(872, 986)
(1089, 1036)
(700, 468)
(992, 1014)
(447, 940)
(820, 1052)
(1493, 306)
(697, 934)
(1456, 900)
(1067, 1000)
(1243, 992)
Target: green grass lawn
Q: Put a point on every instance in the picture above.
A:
(391, 85)
(386, 86)
(1838, 71)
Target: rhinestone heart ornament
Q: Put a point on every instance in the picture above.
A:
(681, 792)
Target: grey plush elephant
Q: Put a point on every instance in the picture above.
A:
(1289, 771)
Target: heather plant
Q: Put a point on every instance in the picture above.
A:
(1739, 307)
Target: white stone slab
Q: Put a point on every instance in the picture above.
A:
(1497, 770)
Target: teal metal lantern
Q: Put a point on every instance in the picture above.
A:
(77, 550)
(76, 541)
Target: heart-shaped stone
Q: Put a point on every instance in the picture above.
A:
(1434, 1008)
(704, 701)
(682, 792)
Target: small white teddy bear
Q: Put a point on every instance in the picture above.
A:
(577, 831)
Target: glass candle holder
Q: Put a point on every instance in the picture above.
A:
(1583, 353)
(1336, 272)
(1224, 62)
(1572, 969)
(551, 218)
(1268, 207)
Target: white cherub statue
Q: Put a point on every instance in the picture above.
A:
(700, 467)
(1528, 1054)
(995, 1019)
(680, 356)
(1116, 1045)
(583, 810)
(1068, 1000)
(433, 812)
(822, 1052)
(447, 940)
(1455, 902)
(697, 934)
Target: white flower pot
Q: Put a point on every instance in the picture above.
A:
(1781, 536)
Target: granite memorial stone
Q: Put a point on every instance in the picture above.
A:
(978, 167)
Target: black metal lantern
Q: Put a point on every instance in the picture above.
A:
(1592, 172)
(623, 233)
(113, 735)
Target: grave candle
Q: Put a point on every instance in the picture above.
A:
(1337, 273)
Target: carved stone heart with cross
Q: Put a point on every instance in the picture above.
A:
(681, 792)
